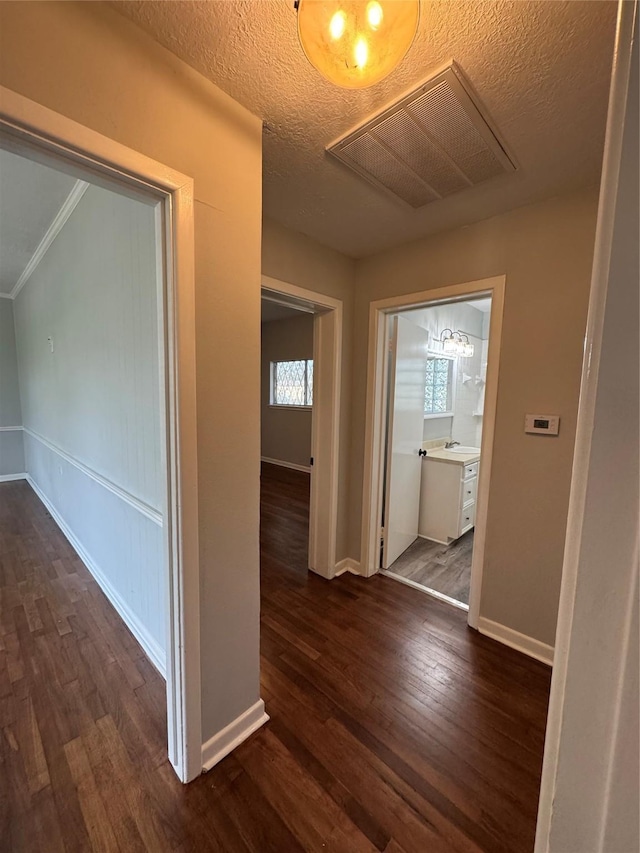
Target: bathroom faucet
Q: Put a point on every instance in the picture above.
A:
(450, 444)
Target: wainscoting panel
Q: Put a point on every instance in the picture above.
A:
(11, 452)
(122, 546)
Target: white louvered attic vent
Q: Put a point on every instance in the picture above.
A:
(431, 143)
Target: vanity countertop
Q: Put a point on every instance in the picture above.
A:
(443, 455)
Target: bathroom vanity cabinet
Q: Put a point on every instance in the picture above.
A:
(448, 491)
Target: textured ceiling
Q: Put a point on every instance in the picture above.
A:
(540, 68)
(30, 197)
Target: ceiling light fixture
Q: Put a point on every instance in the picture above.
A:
(356, 43)
(456, 343)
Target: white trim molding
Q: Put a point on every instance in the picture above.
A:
(589, 745)
(143, 508)
(515, 640)
(59, 220)
(152, 650)
(8, 478)
(231, 736)
(347, 565)
(282, 464)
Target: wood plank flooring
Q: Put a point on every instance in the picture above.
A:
(444, 568)
(393, 727)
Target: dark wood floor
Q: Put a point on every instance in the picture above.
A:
(443, 568)
(393, 727)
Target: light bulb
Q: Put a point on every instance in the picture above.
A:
(361, 53)
(336, 27)
(374, 14)
(356, 43)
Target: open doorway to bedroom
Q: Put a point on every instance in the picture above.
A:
(94, 266)
(286, 418)
(301, 367)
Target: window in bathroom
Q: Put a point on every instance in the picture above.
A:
(438, 389)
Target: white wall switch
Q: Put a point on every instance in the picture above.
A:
(542, 424)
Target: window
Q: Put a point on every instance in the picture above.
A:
(438, 393)
(292, 383)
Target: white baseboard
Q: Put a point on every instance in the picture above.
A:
(6, 478)
(521, 642)
(225, 741)
(347, 565)
(151, 648)
(293, 465)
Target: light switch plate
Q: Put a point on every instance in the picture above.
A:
(542, 424)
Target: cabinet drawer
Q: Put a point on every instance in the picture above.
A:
(469, 490)
(470, 470)
(467, 518)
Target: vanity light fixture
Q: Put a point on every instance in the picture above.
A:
(356, 43)
(450, 342)
(466, 347)
(456, 343)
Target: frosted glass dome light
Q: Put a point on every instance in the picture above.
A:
(356, 43)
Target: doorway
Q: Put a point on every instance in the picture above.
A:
(435, 405)
(315, 380)
(286, 418)
(34, 132)
(425, 503)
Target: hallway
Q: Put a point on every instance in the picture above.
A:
(393, 727)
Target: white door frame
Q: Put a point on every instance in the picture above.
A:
(327, 370)
(582, 661)
(377, 380)
(27, 124)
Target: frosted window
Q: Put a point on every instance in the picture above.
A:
(292, 383)
(437, 389)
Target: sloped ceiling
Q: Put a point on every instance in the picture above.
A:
(540, 68)
(31, 196)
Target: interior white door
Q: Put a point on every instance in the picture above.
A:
(407, 375)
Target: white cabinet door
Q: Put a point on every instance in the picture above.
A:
(404, 438)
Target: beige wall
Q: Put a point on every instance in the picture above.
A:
(296, 259)
(87, 62)
(545, 250)
(286, 433)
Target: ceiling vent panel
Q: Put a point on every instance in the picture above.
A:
(405, 139)
(372, 157)
(431, 143)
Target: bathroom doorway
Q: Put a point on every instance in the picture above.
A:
(431, 411)
(435, 399)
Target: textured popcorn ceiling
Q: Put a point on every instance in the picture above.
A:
(540, 68)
